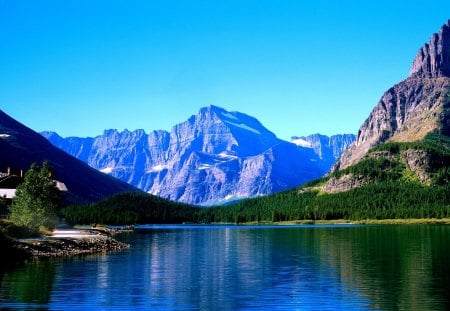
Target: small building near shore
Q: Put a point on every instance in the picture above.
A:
(10, 180)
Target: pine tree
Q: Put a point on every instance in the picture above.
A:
(37, 199)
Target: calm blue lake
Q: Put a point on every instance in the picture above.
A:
(340, 267)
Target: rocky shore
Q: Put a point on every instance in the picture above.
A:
(69, 243)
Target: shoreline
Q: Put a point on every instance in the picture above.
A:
(71, 242)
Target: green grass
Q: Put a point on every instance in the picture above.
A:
(407, 221)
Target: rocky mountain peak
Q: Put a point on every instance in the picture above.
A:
(234, 120)
(413, 108)
(216, 130)
(433, 59)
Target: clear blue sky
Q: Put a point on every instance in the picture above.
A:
(301, 67)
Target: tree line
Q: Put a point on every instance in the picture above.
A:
(129, 208)
(380, 200)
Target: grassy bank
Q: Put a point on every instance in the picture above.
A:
(9, 233)
(408, 221)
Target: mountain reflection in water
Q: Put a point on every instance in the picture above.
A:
(388, 267)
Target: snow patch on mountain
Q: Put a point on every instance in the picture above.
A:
(301, 142)
(229, 115)
(157, 168)
(107, 170)
(243, 126)
(204, 166)
(225, 155)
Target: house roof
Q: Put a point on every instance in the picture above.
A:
(10, 181)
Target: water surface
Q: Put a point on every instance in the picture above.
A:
(388, 267)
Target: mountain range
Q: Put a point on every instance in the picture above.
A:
(214, 157)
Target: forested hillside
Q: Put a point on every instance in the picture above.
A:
(385, 186)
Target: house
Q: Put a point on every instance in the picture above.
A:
(10, 180)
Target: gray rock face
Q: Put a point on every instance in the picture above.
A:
(214, 156)
(343, 183)
(433, 59)
(405, 113)
(414, 107)
(419, 162)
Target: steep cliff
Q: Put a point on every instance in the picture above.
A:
(433, 59)
(413, 108)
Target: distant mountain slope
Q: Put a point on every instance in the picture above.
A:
(328, 149)
(21, 146)
(214, 156)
